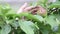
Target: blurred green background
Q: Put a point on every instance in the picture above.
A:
(15, 4)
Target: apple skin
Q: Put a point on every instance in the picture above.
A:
(33, 10)
(42, 11)
(39, 10)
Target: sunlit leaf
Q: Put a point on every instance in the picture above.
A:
(39, 17)
(27, 26)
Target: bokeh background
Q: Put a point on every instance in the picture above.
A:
(15, 4)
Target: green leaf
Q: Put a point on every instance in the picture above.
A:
(27, 26)
(14, 24)
(54, 5)
(59, 29)
(5, 29)
(33, 17)
(43, 1)
(45, 29)
(1, 20)
(58, 17)
(51, 20)
(5, 9)
(39, 17)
